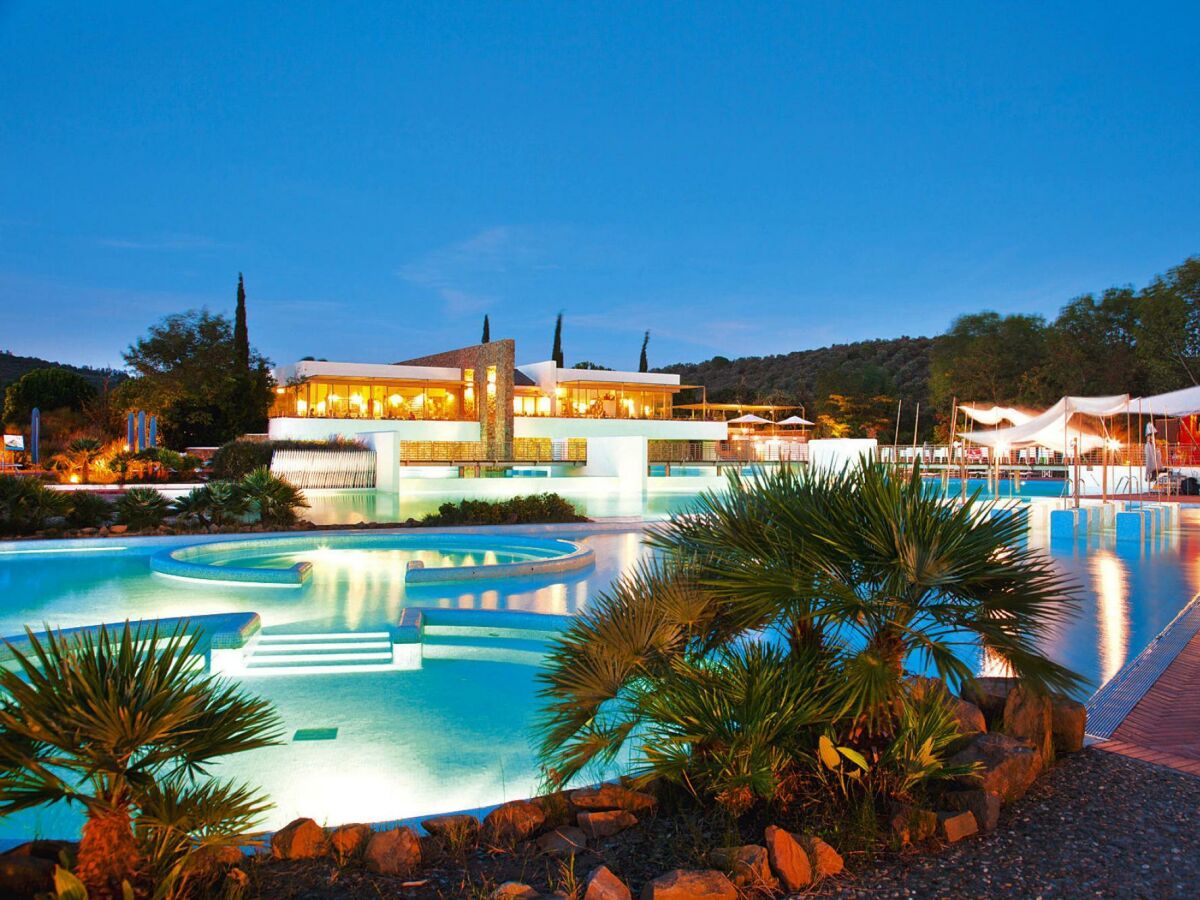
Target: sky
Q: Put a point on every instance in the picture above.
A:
(738, 179)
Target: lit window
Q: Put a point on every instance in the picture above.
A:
(543, 406)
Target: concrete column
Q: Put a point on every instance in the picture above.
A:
(624, 458)
(386, 445)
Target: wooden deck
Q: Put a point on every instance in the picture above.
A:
(1164, 727)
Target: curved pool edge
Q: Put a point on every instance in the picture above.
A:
(552, 555)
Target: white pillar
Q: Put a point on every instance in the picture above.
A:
(386, 445)
(625, 458)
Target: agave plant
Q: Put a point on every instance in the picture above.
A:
(125, 725)
(275, 500)
(142, 507)
(27, 505)
(213, 505)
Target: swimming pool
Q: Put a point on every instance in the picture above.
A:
(454, 732)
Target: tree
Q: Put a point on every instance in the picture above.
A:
(643, 362)
(487, 331)
(556, 353)
(241, 334)
(1093, 346)
(81, 454)
(187, 374)
(122, 723)
(1168, 332)
(989, 358)
(47, 389)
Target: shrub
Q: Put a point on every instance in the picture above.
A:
(88, 510)
(141, 507)
(67, 735)
(237, 459)
(27, 505)
(275, 500)
(515, 511)
(213, 505)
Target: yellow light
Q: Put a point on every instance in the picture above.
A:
(301, 406)
(419, 400)
(334, 398)
(449, 399)
(517, 405)
(560, 392)
(320, 407)
(491, 389)
(74, 479)
(356, 400)
(543, 405)
(1114, 444)
(491, 375)
(395, 399)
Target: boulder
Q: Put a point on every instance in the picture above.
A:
(954, 826)
(748, 866)
(455, 830)
(912, 824)
(969, 717)
(396, 851)
(983, 805)
(515, 889)
(565, 840)
(45, 849)
(690, 884)
(989, 694)
(208, 862)
(511, 822)
(789, 861)
(117, 529)
(606, 823)
(1007, 767)
(826, 862)
(602, 884)
(25, 876)
(1068, 722)
(1027, 717)
(299, 839)
(613, 796)
(348, 841)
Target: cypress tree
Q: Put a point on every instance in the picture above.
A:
(644, 363)
(487, 330)
(241, 335)
(557, 353)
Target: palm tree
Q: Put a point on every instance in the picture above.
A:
(214, 504)
(861, 573)
(125, 725)
(81, 453)
(275, 499)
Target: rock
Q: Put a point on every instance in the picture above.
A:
(299, 839)
(912, 824)
(788, 859)
(983, 805)
(456, 830)
(563, 841)
(605, 824)
(45, 849)
(826, 862)
(1027, 717)
(515, 889)
(393, 852)
(117, 529)
(348, 841)
(513, 821)
(1007, 767)
(748, 866)
(602, 884)
(207, 862)
(25, 876)
(954, 826)
(968, 716)
(989, 694)
(613, 796)
(690, 884)
(1068, 722)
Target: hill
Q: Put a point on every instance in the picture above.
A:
(13, 367)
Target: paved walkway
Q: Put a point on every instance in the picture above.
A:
(1164, 726)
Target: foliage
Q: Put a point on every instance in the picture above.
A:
(486, 337)
(989, 358)
(643, 360)
(88, 510)
(187, 372)
(849, 580)
(275, 500)
(27, 505)
(67, 735)
(46, 389)
(77, 461)
(556, 352)
(547, 507)
(237, 459)
(141, 507)
(213, 505)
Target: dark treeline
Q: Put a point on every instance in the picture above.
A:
(1124, 340)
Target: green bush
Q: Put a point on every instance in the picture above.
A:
(237, 459)
(275, 500)
(536, 508)
(88, 510)
(141, 507)
(215, 504)
(27, 505)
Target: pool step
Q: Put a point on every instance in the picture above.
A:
(308, 654)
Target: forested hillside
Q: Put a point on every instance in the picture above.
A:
(13, 367)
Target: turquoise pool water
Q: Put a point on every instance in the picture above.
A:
(455, 732)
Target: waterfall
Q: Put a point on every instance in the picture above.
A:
(325, 468)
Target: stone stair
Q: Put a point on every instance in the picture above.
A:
(324, 653)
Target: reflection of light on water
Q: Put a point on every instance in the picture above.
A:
(1112, 611)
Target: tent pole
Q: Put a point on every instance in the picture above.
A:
(896, 439)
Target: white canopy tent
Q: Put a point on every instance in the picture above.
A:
(995, 415)
(794, 420)
(1052, 428)
(1173, 404)
(750, 419)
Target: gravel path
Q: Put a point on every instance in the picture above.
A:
(1099, 825)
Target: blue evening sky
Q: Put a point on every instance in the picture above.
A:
(738, 178)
